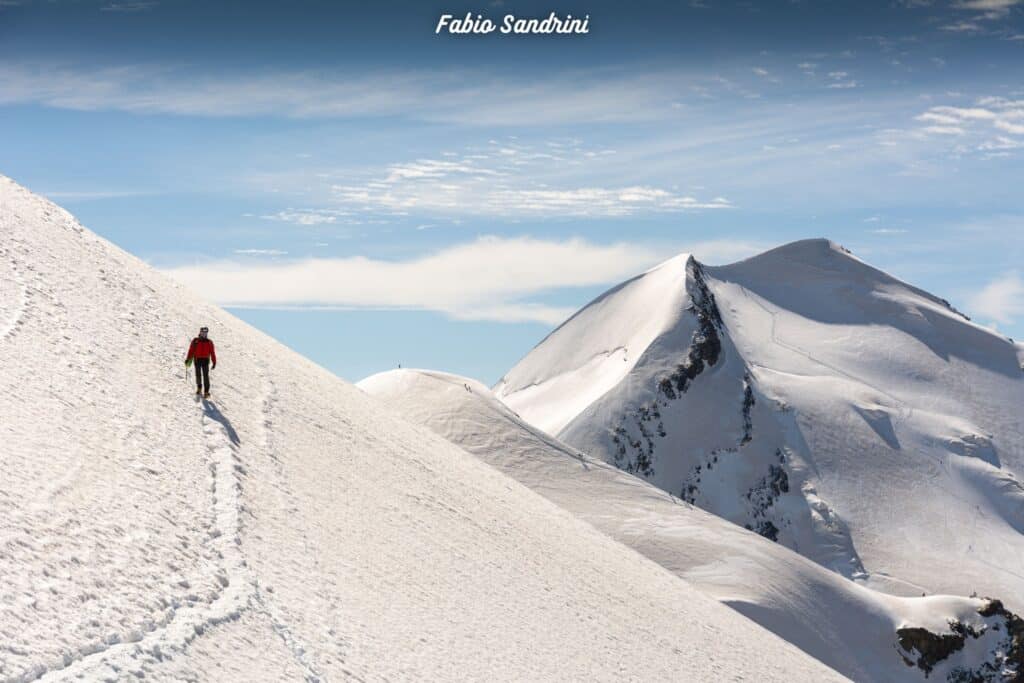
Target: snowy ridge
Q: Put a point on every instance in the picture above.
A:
(291, 528)
(859, 632)
(825, 405)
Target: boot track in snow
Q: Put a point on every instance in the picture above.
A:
(238, 589)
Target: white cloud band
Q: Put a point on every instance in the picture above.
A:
(491, 278)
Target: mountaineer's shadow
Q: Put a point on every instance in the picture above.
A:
(213, 412)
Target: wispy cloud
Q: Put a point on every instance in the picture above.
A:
(260, 252)
(510, 180)
(1001, 143)
(307, 217)
(466, 96)
(490, 278)
(470, 198)
(963, 27)
(988, 9)
(943, 130)
(128, 6)
(987, 5)
(1002, 299)
(470, 96)
(991, 121)
(841, 80)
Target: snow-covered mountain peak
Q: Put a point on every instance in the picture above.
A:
(819, 401)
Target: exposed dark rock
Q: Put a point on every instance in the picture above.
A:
(771, 486)
(637, 455)
(768, 530)
(1006, 662)
(748, 404)
(667, 389)
(931, 648)
(619, 439)
(705, 344)
(635, 437)
(1012, 645)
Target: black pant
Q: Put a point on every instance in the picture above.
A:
(203, 374)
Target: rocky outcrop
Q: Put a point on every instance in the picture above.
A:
(1012, 644)
(748, 404)
(636, 436)
(762, 496)
(635, 454)
(931, 648)
(927, 650)
(705, 345)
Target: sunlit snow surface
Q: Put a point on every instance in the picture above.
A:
(291, 528)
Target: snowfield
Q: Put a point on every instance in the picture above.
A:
(854, 629)
(291, 528)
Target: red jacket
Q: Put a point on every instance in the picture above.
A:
(201, 348)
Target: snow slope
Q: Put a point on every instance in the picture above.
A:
(817, 400)
(847, 626)
(290, 528)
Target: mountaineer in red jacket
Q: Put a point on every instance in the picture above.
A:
(205, 356)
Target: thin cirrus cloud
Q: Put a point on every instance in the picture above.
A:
(261, 252)
(467, 198)
(963, 27)
(504, 180)
(490, 278)
(1002, 299)
(467, 97)
(992, 9)
(996, 119)
(307, 217)
(841, 80)
(128, 6)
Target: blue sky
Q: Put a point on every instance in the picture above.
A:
(372, 193)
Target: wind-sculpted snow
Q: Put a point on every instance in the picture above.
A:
(290, 528)
(841, 412)
(862, 633)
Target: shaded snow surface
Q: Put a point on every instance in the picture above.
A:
(845, 624)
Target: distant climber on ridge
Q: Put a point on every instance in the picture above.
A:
(201, 351)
